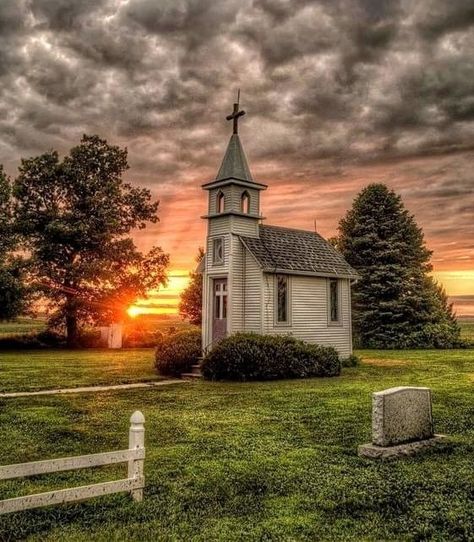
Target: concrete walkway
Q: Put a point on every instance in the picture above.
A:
(92, 389)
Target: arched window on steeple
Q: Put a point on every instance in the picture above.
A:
(220, 202)
(245, 202)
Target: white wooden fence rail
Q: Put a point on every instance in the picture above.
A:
(134, 484)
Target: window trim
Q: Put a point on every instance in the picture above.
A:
(215, 261)
(220, 196)
(288, 322)
(339, 321)
(245, 195)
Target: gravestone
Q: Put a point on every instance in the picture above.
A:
(402, 423)
(115, 336)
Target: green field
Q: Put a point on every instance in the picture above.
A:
(256, 461)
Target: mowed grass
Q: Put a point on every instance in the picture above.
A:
(50, 369)
(255, 461)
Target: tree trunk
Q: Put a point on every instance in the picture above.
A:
(71, 330)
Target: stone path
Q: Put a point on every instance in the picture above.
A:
(89, 389)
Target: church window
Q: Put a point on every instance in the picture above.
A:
(245, 202)
(220, 202)
(334, 310)
(282, 299)
(218, 251)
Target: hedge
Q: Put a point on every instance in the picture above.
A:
(247, 356)
(175, 354)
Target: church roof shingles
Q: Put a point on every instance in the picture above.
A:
(286, 250)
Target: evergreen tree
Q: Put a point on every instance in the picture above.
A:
(190, 306)
(396, 304)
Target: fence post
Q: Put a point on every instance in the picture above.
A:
(136, 441)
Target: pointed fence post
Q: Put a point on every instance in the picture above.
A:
(136, 442)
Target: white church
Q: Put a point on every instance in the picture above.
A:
(268, 279)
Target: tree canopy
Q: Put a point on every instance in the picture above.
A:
(396, 303)
(75, 215)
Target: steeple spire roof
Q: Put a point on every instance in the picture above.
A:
(234, 165)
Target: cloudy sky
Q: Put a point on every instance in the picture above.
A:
(338, 93)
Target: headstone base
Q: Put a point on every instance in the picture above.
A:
(372, 451)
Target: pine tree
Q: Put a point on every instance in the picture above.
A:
(396, 304)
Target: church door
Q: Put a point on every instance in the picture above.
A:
(219, 316)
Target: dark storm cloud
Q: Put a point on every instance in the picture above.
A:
(328, 85)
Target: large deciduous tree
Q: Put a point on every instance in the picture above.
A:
(12, 270)
(396, 303)
(75, 215)
(190, 305)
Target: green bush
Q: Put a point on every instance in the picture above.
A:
(350, 361)
(175, 354)
(268, 357)
(142, 338)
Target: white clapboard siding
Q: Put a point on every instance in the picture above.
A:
(213, 199)
(309, 312)
(219, 225)
(236, 198)
(245, 225)
(237, 304)
(134, 484)
(252, 294)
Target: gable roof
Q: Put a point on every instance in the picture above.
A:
(234, 165)
(285, 250)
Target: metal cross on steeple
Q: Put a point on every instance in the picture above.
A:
(236, 114)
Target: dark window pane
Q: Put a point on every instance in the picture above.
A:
(224, 306)
(282, 293)
(334, 301)
(220, 202)
(245, 203)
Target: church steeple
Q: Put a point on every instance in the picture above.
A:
(234, 195)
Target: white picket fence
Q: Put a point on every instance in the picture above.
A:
(135, 456)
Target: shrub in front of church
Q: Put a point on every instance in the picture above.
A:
(175, 354)
(247, 356)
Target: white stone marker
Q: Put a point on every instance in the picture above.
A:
(402, 423)
(115, 336)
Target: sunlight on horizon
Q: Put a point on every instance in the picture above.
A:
(165, 300)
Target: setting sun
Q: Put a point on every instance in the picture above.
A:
(162, 301)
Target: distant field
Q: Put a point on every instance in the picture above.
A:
(22, 325)
(467, 329)
(27, 325)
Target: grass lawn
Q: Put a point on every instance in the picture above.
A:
(46, 369)
(255, 461)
